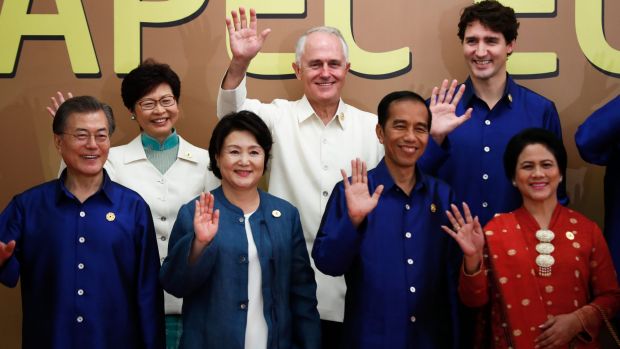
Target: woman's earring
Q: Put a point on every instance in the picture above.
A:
(133, 116)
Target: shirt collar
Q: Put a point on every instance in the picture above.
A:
(470, 93)
(106, 189)
(382, 176)
(151, 143)
(305, 111)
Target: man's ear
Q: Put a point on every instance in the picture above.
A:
(379, 132)
(511, 46)
(297, 70)
(57, 142)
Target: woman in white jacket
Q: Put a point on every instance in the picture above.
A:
(166, 170)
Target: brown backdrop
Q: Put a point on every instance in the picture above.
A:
(196, 49)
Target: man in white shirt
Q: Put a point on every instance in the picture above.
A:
(314, 137)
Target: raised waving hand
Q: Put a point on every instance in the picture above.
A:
(206, 223)
(245, 43)
(359, 200)
(467, 232)
(443, 104)
(57, 101)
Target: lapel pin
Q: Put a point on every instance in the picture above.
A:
(433, 208)
(276, 213)
(110, 216)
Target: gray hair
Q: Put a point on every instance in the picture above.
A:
(301, 42)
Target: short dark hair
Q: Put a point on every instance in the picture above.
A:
(81, 104)
(493, 15)
(531, 136)
(239, 121)
(397, 96)
(146, 77)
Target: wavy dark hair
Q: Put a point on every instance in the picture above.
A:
(491, 14)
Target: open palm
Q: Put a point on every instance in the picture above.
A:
(443, 104)
(359, 200)
(466, 231)
(245, 41)
(206, 221)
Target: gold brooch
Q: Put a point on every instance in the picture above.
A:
(433, 208)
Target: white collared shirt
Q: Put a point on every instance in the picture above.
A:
(307, 156)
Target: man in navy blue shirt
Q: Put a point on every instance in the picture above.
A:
(381, 229)
(84, 247)
(598, 141)
(466, 150)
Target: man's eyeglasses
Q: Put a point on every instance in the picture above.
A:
(84, 137)
(150, 104)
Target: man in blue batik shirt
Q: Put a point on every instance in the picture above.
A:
(381, 229)
(598, 141)
(466, 151)
(84, 247)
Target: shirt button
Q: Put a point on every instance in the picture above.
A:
(163, 219)
(81, 239)
(324, 140)
(82, 214)
(242, 306)
(487, 122)
(325, 193)
(241, 220)
(163, 238)
(412, 289)
(410, 261)
(81, 266)
(407, 207)
(412, 318)
(485, 204)
(487, 149)
(408, 235)
(79, 319)
(80, 292)
(485, 176)
(325, 167)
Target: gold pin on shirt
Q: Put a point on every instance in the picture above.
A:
(110, 216)
(433, 208)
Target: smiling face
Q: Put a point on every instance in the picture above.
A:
(84, 143)
(405, 134)
(322, 69)
(159, 121)
(485, 52)
(241, 161)
(537, 174)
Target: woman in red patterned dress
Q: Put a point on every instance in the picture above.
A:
(544, 271)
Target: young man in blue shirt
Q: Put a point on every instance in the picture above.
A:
(472, 124)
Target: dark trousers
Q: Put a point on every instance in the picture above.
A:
(331, 334)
